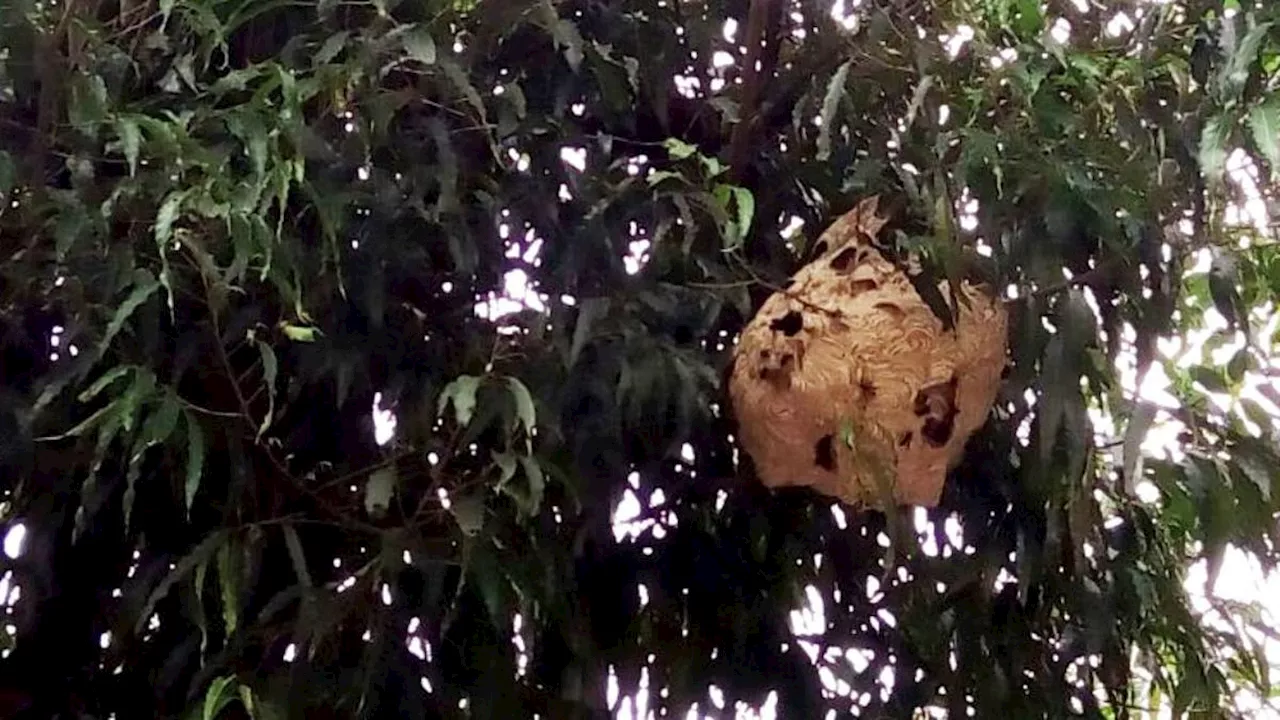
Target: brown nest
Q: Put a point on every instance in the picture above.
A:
(848, 382)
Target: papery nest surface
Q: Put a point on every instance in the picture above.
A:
(848, 382)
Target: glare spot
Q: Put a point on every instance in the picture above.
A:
(384, 422)
(15, 541)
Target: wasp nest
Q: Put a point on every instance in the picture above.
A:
(848, 382)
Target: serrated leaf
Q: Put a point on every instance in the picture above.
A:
(103, 382)
(195, 461)
(296, 555)
(145, 285)
(1264, 122)
(1241, 58)
(1213, 148)
(330, 49)
(462, 394)
(159, 425)
(198, 556)
(379, 489)
(830, 104)
(167, 215)
(420, 45)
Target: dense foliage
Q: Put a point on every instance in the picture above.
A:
(230, 229)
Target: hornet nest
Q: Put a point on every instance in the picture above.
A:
(848, 382)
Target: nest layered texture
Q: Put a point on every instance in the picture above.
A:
(847, 381)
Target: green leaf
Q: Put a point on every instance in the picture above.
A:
(130, 142)
(1134, 435)
(745, 203)
(300, 333)
(537, 484)
(1210, 379)
(567, 36)
(506, 463)
(526, 413)
(145, 285)
(1264, 121)
(419, 44)
(462, 393)
(105, 381)
(468, 511)
(167, 215)
(458, 78)
(229, 576)
(198, 556)
(1235, 72)
(830, 104)
(87, 103)
(222, 691)
(269, 369)
(379, 489)
(333, 45)
(8, 173)
(658, 176)
(592, 311)
(195, 460)
(1213, 148)
(1224, 278)
(679, 149)
(297, 556)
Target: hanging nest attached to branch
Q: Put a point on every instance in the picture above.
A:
(848, 382)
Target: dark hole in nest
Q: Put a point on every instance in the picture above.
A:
(789, 324)
(891, 309)
(905, 439)
(820, 249)
(846, 259)
(780, 375)
(861, 286)
(867, 389)
(937, 405)
(936, 399)
(824, 453)
(937, 431)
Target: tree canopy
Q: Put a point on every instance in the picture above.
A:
(240, 239)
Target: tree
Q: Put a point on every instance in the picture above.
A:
(232, 229)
